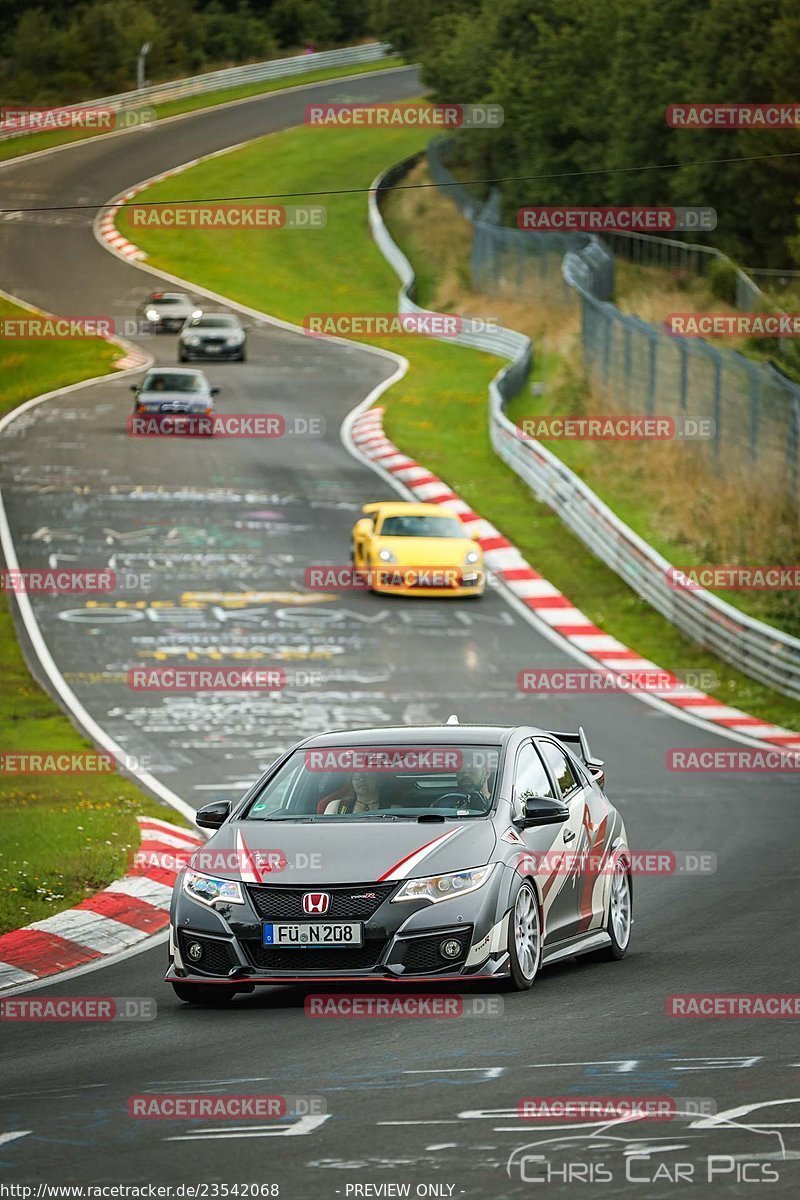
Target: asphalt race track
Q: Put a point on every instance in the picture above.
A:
(214, 535)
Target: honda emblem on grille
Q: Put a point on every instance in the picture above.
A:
(316, 902)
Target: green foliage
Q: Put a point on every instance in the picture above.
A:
(585, 85)
(62, 53)
(721, 276)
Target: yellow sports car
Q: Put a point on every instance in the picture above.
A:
(416, 550)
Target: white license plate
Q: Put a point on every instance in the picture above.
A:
(319, 934)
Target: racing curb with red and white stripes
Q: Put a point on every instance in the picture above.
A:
(543, 599)
(106, 222)
(128, 911)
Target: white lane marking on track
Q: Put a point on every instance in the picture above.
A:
(489, 1072)
(13, 1134)
(300, 1127)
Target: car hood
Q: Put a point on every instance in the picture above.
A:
(345, 851)
(427, 552)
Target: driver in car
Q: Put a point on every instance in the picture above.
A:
(473, 781)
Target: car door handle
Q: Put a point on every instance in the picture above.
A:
(569, 835)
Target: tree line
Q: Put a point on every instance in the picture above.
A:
(71, 50)
(585, 85)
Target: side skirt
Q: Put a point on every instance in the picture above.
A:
(579, 945)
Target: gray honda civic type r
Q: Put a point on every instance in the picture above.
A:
(405, 855)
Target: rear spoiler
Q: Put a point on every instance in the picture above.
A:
(580, 741)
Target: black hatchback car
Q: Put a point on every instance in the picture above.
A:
(469, 852)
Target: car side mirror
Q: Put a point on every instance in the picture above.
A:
(544, 810)
(134, 387)
(211, 816)
(363, 527)
(214, 391)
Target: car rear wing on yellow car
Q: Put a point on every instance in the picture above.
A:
(580, 741)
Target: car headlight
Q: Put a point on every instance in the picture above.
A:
(443, 887)
(197, 312)
(235, 338)
(191, 341)
(207, 889)
(386, 556)
(472, 557)
(153, 314)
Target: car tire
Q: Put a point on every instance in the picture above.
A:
(242, 357)
(183, 357)
(211, 995)
(620, 918)
(524, 940)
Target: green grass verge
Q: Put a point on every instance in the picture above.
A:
(437, 413)
(64, 836)
(16, 147)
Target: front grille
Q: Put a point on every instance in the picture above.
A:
(351, 903)
(359, 958)
(218, 956)
(421, 954)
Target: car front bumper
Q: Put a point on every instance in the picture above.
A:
(385, 583)
(401, 942)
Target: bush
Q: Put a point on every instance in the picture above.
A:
(721, 276)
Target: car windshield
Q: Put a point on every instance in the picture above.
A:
(213, 323)
(168, 300)
(171, 381)
(377, 783)
(422, 527)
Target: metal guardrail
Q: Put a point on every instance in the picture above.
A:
(758, 649)
(276, 68)
(642, 366)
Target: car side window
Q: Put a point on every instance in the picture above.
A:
(565, 775)
(530, 778)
